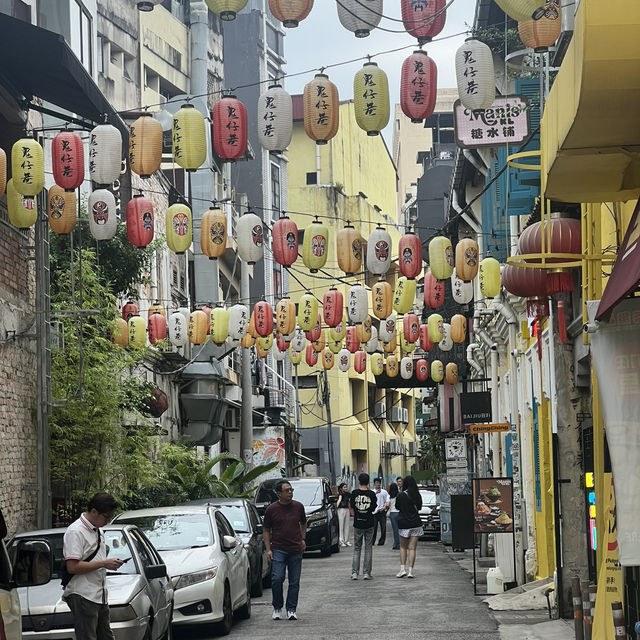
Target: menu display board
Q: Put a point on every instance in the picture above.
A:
(493, 505)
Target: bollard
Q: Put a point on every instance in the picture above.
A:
(619, 628)
(576, 598)
(586, 609)
(593, 590)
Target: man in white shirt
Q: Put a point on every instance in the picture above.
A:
(85, 555)
(380, 514)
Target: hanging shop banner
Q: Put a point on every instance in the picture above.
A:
(493, 505)
(616, 359)
(491, 427)
(475, 407)
(506, 121)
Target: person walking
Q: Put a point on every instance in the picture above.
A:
(380, 513)
(86, 562)
(363, 503)
(344, 514)
(393, 514)
(283, 532)
(408, 503)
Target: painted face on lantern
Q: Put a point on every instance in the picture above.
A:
(448, 254)
(327, 357)
(318, 245)
(419, 5)
(390, 325)
(57, 206)
(382, 250)
(291, 240)
(217, 232)
(407, 256)
(356, 247)
(414, 328)
(181, 224)
(257, 235)
(441, 326)
(146, 221)
(344, 360)
(471, 257)
(100, 212)
(407, 367)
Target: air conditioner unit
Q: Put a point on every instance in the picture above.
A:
(396, 414)
(412, 448)
(393, 445)
(380, 410)
(405, 415)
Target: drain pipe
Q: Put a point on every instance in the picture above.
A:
(471, 358)
(495, 437)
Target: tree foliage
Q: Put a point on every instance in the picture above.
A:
(431, 455)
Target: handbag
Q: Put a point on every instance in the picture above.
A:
(65, 576)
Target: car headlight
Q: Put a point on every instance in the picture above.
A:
(188, 579)
(122, 613)
(317, 520)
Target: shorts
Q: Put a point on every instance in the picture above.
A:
(416, 532)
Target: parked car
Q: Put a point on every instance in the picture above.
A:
(323, 530)
(140, 592)
(208, 564)
(246, 522)
(430, 512)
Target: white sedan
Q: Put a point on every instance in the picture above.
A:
(208, 564)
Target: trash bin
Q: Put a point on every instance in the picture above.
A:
(495, 580)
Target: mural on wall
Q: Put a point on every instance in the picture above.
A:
(348, 476)
(269, 447)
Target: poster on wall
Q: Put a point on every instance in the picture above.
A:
(493, 505)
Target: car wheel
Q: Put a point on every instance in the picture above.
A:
(244, 612)
(256, 587)
(326, 550)
(266, 581)
(223, 627)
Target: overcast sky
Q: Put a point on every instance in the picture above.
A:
(320, 40)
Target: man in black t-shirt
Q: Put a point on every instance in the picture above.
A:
(363, 503)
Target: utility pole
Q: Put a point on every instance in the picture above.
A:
(326, 397)
(246, 427)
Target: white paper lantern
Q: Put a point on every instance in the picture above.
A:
(278, 355)
(233, 343)
(379, 251)
(299, 340)
(387, 330)
(373, 343)
(178, 329)
(475, 75)
(105, 154)
(238, 321)
(357, 304)
(103, 221)
(461, 291)
(344, 360)
(250, 238)
(446, 344)
(406, 368)
(275, 119)
(360, 17)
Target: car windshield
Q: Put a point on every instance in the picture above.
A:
(174, 530)
(429, 498)
(266, 495)
(309, 493)
(237, 517)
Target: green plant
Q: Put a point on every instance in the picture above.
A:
(495, 37)
(430, 455)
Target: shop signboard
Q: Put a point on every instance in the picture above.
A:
(493, 505)
(475, 407)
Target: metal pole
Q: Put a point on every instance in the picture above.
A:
(576, 598)
(586, 609)
(246, 427)
(327, 404)
(558, 524)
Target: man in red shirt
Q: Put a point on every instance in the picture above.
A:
(284, 530)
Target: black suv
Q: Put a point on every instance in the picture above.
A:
(430, 512)
(323, 531)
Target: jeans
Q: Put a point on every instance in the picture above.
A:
(292, 562)
(90, 619)
(393, 516)
(344, 519)
(381, 521)
(358, 536)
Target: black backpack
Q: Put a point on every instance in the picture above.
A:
(65, 576)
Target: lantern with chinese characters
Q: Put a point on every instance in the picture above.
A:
(281, 343)
(226, 9)
(529, 283)
(441, 257)
(371, 98)
(373, 344)
(522, 9)
(404, 295)
(406, 368)
(349, 250)
(67, 160)
(295, 357)
(137, 332)
(238, 321)
(311, 356)
(250, 238)
(382, 299)
(379, 251)
(435, 324)
(332, 308)
(418, 86)
(3, 172)
(391, 365)
(105, 154)
(230, 132)
(261, 351)
(340, 330)
(410, 255)
(321, 109)
(426, 344)
(145, 145)
(285, 241)
(213, 233)
(314, 333)
(328, 358)
(364, 330)
(357, 304)
(319, 344)
(129, 310)
(490, 280)
(275, 119)
(344, 360)
(475, 75)
(406, 347)
(263, 317)
(307, 311)
(247, 341)
(461, 291)
(27, 167)
(120, 332)
(279, 355)
(437, 371)
(422, 370)
(360, 362)
(139, 221)
(189, 138)
(387, 329)
(157, 328)
(265, 342)
(103, 221)
(351, 341)
(334, 345)
(178, 329)
(423, 19)
(315, 246)
(156, 307)
(61, 208)
(285, 316)
(541, 34)
(219, 325)
(299, 340)
(207, 311)
(290, 12)
(433, 290)
(411, 327)
(391, 346)
(198, 327)
(458, 328)
(446, 344)
(467, 259)
(251, 327)
(360, 17)
(451, 373)
(178, 227)
(376, 361)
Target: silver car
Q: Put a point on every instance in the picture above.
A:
(140, 593)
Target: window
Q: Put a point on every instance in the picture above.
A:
(80, 34)
(277, 283)
(100, 60)
(274, 40)
(312, 177)
(275, 187)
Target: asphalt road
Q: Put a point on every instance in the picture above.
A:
(437, 605)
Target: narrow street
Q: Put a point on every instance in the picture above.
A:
(438, 604)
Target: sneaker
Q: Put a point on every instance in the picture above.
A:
(343, 544)
(401, 574)
(366, 576)
(354, 576)
(277, 614)
(410, 574)
(291, 615)
(348, 544)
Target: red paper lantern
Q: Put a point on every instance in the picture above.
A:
(410, 255)
(351, 342)
(422, 370)
(411, 327)
(311, 356)
(285, 241)
(530, 283)
(314, 334)
(418, 18)
(140, 221)
(129, 310)
(157, 328)
(332, 307)
(229, 122)
(360, 362)
(67, 155)
(433, 291)
(281, 343)
(418, 86)
(263, 318)
(425, 342)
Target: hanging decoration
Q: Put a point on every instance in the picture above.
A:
(451, 373)
(145, 145)
(315, 246)
(340, 330)
(178, 329)
(406, 368)
(156, 328)
(219, 325)
(299, 340)
(332, 307)
(139, 214)
(541, 34)
(178, 228)
(198, 327)
(364, 330)
(461, 291)
(250, 238)
(521, 10)
(357, 304)
(137, 332)
(349, 249)
(344, 360)
(382, 299)
(404, 295)
(129, 310)
(285, 316)
(458, 328)
(433, 290)
(360, 17)
(411, 327)
(275, 119)
(284, 243)
(391, 346)
(328, 358)
(229, 128)
(529, 283)
(466, 259)
(406, 347)
(27, 167)
(290, 12)
(189, 138)
(314, 333)
(156, 307)
(321, 342)
(418, 86)
(423, 19)
(307, 311)
(120, 333)
(321, 109)
(226, 9)
(351, 341)
(103, 221)
(263, 318)
(437, 371)
(391, 365)
(426, 344)
(105, 154)
(67, 160)
(61, 208)
(295, 357)
(247, 341)
(475, 75)
(251, 327)
(387, 329)
(371, 98)
(422, 370)
(265, 343)
(334, 345)
(435, 324)
(360, 362)
(261, 351)
(280, 355)
(379, 251)
(373, 344)
(410, 255)
(238, 321)
(441, 257)
(3, 172)
(490, 279)
(446, 344)
(376, 361)
(213, 233)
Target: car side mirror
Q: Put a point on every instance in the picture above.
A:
(33, 563)
(156, 571)
(332, 499)
(259, 528)
(228, 543)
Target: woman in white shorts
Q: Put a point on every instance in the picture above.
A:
(408, 503)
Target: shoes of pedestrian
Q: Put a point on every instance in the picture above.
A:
(354, 576)
(277, 614)
(401, 574)
(410, 574)
(343, 544)
(395, 548)
(366, 576)
(291, 615)
(348, 543)
(381, 544)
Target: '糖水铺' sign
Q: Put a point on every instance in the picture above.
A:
(505, 122)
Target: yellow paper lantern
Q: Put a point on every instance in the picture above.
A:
(321, 109)
(458, 328)
(349, 249)
(404, 295)
(145, 145)
(315, 246)
(340, 331)
(451, 373)
(363, 330)
(521, 9)
(334, 345)
(441, 258)
(251, 327)
(490, 280)
(435, 324)
(219, 325)
(541, 34)
(61, 208)
(371, 98)
(226, 9)
(247, 341)
(265, 342)
(178, 228)
(156, 307)
(406, 347)
(328, 358)
(189, 138)
(3, 172)
(198, 327)
(120, 332)
(295, 357)
(213, 233)
(307, 312)
(382, 299)
(467, 259)
(22, 210)
(285, 316)
(27, 167)
(437, 371)
(260, 350)
(137, 332)
(391, 345)
(392, 366)
(376, 361)
(319, 344)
